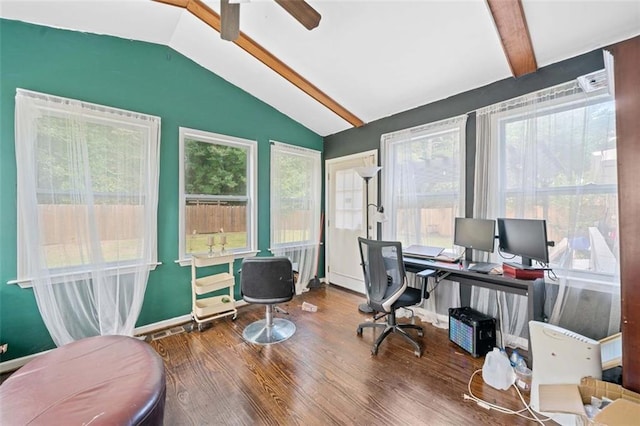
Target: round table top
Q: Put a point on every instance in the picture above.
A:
(97, 380)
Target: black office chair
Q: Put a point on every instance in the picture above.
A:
(268, 280)
(386, 288)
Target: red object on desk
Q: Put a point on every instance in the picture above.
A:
(520, 273)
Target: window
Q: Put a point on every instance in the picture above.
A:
(93, 174)
(348, 200)
(552, 155)
(87, 180)
(217, 191)
(423, 189)
(295, 195)
(558, 162)
(295, 207)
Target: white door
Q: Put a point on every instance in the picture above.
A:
(345, 201)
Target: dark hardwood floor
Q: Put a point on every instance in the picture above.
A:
(324, 374)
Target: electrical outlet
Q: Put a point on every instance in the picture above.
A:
(4, 348)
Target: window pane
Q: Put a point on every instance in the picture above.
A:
(295, 195)
(561, 166)
(211, 221)
(561, 148)
(215, 169)
(114, 158)
(426, 190)
(349, 190)
(217, 209)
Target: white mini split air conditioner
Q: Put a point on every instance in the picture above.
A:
(561, 356)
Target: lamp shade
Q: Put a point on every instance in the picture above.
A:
(367, 172)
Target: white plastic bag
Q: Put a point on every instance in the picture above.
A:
(497, 371)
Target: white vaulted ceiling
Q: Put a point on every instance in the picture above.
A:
(375, 58)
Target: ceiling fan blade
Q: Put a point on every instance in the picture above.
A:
(301, 10)
(229, 20)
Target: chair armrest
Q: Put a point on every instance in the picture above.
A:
(424, 275)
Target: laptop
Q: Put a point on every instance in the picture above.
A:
(422, 251)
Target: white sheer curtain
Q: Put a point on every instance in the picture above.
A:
(295, 208)
(551, 155)
(87, 180)
(423, 191)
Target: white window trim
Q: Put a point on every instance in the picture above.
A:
(82, 274)
(90, 110)
(387, 141)
(598, 281)
(252, 189)
(308, 153)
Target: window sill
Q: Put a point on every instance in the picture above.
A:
(79, 275)
(236, 255)
(587, 280)
(294, 246)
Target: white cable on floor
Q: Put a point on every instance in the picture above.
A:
(528, 407)
(489, 406)
(502, 345)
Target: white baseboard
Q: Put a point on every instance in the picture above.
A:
(161, 325)
(16, 363)
(437, 320)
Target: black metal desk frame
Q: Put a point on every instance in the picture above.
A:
(532, 289)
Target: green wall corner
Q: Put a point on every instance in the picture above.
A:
(137, 76)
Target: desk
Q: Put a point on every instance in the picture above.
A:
(532, 289)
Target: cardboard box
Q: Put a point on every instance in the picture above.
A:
(570, 399)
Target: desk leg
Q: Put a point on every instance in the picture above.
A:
(535, 302)
(465, 294)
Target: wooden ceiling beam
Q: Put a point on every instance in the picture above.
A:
(511, 24)
(179, 3)
(301, 10)
(211, 18)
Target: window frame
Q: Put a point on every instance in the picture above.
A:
(251, 146)
(387, 143)
(315, 156)
(600, 281)
(100, 115)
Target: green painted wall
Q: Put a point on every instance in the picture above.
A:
(136, 76)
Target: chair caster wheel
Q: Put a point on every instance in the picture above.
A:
(359, 331)
(420, 333)
(233, 318)
(416, 353)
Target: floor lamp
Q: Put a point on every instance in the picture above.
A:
(367, 173)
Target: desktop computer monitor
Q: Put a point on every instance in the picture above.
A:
(526, 238)
(477, 234)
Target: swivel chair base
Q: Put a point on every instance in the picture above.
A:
(269, 330)
(392, 327)
(365, 308)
